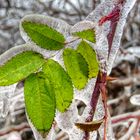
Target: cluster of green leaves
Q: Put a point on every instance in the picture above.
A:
(47, 85)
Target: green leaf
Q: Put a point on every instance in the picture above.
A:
(88, 34)
(90, 56)
(61, 83)
(40, 102)
(77, 67)
(19, 67)
(43, 35)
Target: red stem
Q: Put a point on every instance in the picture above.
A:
(113, 17)
(101, 79)
(124, 118)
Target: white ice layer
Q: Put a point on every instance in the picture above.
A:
(17, 102)
(5, 95)
(57, 24)
(66, 121)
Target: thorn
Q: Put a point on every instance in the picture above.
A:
(109, 78)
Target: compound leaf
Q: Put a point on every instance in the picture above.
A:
(88, 34)
(40, 102)
(43, 35)
(61, 83)
(19, 67)
(90, 56)
(76, 67)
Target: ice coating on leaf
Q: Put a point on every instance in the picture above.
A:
(22, 48)
(86, 93)
(60, 25)
(54, 23)
(5, 94)
(59, 58)
(57, 24)
(85, 30)
(83, 25)
(66, 120)
(35, 132)
(37, 135)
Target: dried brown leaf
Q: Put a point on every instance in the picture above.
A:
(90, 126)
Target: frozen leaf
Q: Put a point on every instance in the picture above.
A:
(22, 48)
(88, 34)
(40, 102)
(90, 56)
(83, 26)
(19, 67)
(43, 35)
(77, 67)
(55, 23)
(61, 83)
(90, 126)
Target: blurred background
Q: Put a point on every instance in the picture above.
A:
(123, 93)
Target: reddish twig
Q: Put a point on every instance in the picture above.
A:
(124, 117)
(104, 100)
(113, 17)
(101, 81)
